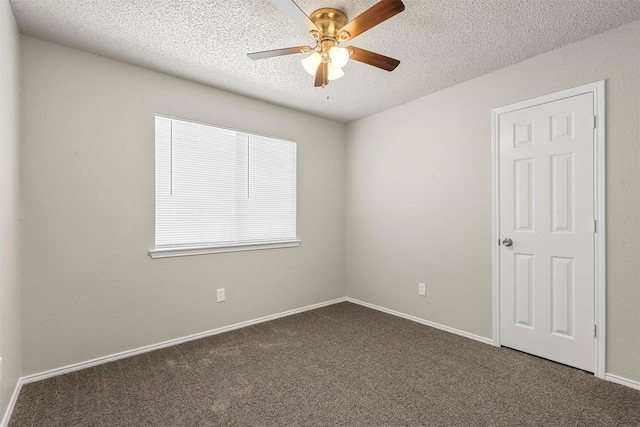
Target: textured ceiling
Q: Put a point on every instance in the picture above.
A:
(440, 43)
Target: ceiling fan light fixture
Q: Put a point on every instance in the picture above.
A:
(339, 56)
(334, 72)
(311, 62)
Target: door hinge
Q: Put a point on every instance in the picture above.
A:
(595, 225)
(595, 330)
(595, 122)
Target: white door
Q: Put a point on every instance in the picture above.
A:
(546, 175)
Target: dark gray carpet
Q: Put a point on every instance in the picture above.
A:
(339, 365)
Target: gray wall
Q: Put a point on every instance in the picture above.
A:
(9, 205)
(89, 288)
(419, 192)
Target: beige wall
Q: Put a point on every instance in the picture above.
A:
(89, 287)
(418, 185)
(419, 192)
(9, 205)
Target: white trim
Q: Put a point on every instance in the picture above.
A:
(623, 381)
(203, 250)
(495, 227)
(601, 234)
(567, 93)
(598, 90)
(608, 377)
(106, 359)
(422, 321)
(98, 361)
(12, 403)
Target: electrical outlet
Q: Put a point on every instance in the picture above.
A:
(422, 289)
(220, 295)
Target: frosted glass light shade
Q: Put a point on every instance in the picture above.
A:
(334, 72)
(310, 63)
(339, 56)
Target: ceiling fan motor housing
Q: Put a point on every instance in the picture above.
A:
(329, 21)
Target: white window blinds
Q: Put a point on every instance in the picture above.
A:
(221, 188)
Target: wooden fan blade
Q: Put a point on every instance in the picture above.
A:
(296, 14)
(371, 17)
(322, 74)
(372, 58)
(279, 52)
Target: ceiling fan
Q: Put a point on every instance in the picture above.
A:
(329, 27)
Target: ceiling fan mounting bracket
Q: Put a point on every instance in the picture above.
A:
(329, 21)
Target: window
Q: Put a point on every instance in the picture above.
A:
(221, 190)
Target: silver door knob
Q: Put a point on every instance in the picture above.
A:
(507, 242)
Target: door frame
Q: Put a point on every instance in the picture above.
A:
(599, 188)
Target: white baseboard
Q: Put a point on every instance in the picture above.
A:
(12, 404)
(424, 322)
(608, 377)
(621, 380)
(106, 359)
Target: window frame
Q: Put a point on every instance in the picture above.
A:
(196, 249)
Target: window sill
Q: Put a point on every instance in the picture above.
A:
(203, 250)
